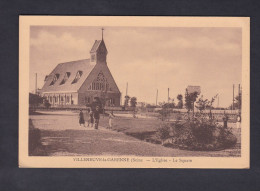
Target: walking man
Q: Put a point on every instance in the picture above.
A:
(96, 115)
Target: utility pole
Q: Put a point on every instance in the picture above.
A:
(218, 100)
(239, 101)
(156, 97)
(168, 95)
(126, 89)
(35, 83)
(233, 97)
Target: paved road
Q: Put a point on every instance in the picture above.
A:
(62, 135)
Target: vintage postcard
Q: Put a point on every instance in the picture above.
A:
(134, 92)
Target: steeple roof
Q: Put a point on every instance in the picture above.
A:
(95, 46)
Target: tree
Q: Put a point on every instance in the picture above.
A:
(202, 104)
(133, 102)
(150, 106)
(168, 105)
(126, 100)
(180, 103)
(46, 104)
(238, 101)
(35, 100)
(190, 98)
(188, 102)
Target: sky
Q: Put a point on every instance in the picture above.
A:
(148, 58)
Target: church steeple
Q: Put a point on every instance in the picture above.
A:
(98, 51)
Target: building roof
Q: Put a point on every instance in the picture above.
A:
(73, 68)
(192, 89)
(95, 46)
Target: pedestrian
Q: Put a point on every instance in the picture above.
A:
(239, 120)
(225, 120)
(81, 118)
(96, 115)
(91, 118)
(87, 116)
(111, 116)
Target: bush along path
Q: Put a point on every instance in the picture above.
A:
(199, 133)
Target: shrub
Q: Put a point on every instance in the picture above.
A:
(163, 132)
(200, 133)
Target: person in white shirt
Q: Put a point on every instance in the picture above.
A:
(111, 116)
(239, 121)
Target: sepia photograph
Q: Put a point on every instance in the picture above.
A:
(131, 92)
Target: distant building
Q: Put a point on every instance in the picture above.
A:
(192, 89)
(78, 82)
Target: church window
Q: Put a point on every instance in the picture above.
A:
(78, 75)
(51, 99)
(55, 78)
(66, 77)
(100, 83)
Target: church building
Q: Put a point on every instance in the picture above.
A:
(79, 82)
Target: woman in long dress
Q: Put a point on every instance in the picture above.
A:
(81, 118)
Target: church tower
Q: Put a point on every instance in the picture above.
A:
(98, 52)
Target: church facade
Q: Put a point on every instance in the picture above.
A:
(79, 82)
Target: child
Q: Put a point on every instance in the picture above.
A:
(81, 118)
(111, 116)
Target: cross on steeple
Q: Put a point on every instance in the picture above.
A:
(102, 32)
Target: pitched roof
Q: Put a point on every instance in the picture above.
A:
(95, 46)
(61, 69)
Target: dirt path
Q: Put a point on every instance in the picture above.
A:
(61, 135)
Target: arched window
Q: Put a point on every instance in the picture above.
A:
(55, 78)
(78, 75)
(100, 83)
